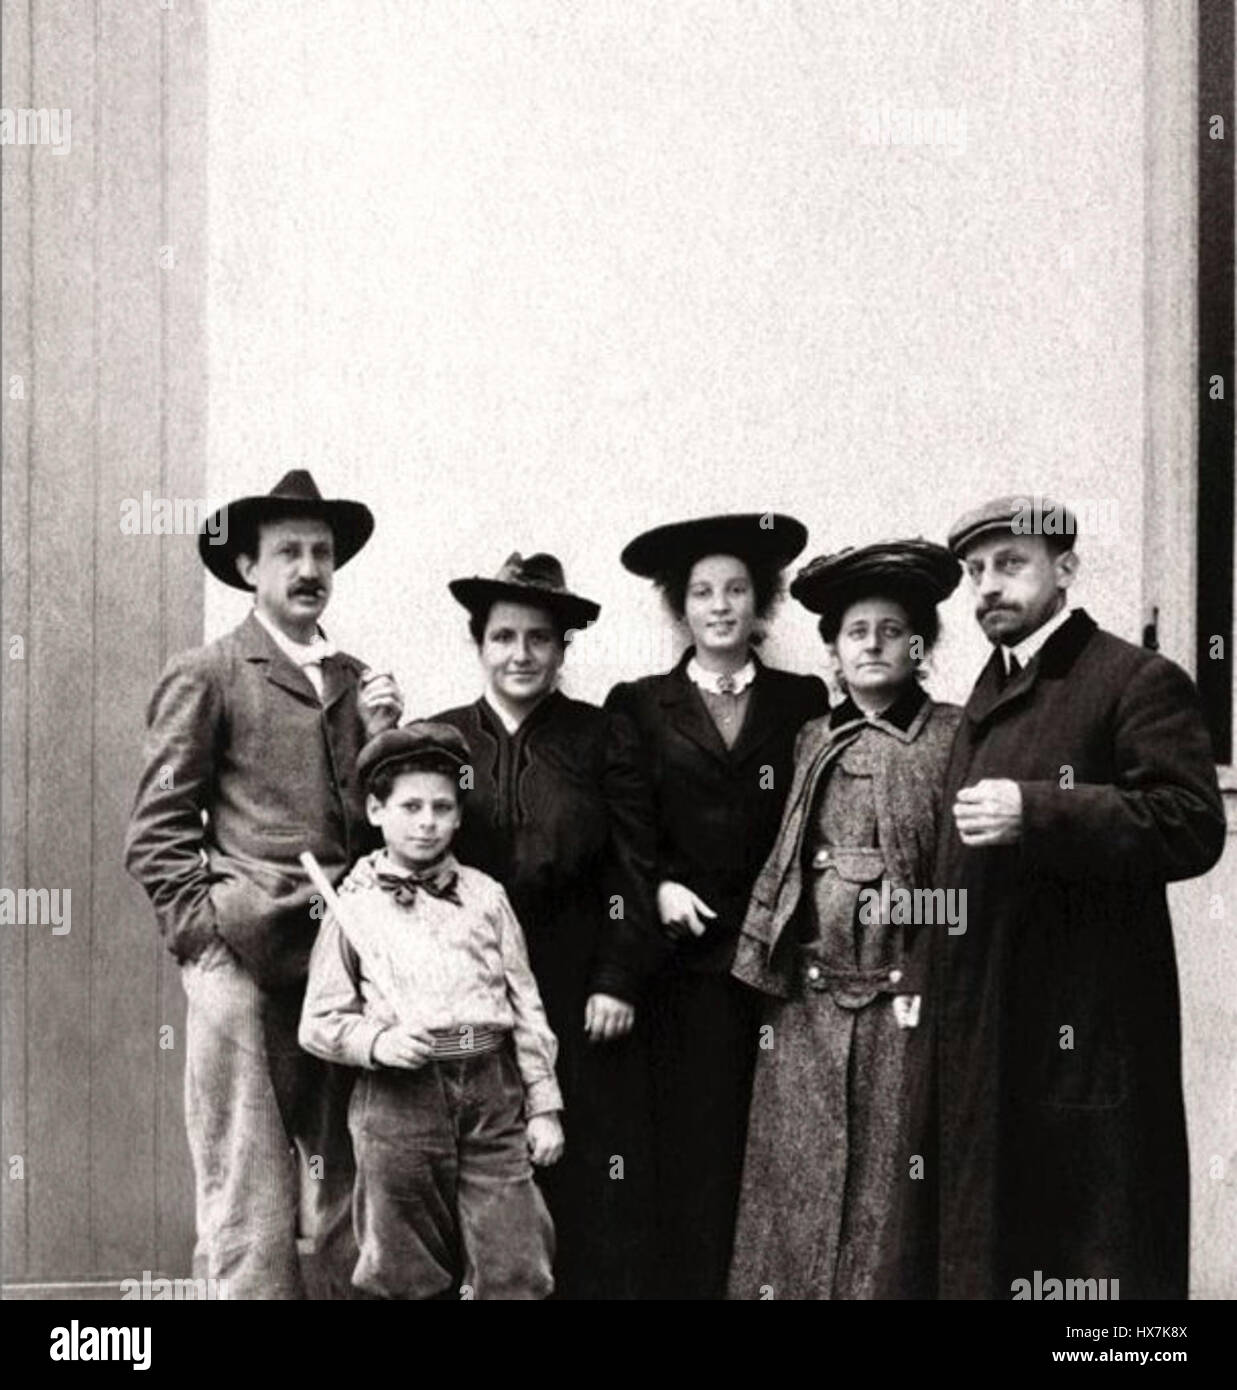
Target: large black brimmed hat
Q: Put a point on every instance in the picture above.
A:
(232, 530)
(767, 539)
(537, 581)
(917, 572)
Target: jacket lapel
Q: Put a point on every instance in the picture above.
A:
(761, 721)
(992, 694)
(258, 646)
(686, 711)
(338, 676)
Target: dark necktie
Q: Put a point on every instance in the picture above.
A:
(404, 888)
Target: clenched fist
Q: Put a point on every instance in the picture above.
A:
(545, 1139)
(990, 812)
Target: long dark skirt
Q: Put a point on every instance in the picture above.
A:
(833, 1186)
(702, 1049)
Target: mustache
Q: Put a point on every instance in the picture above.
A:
(311, 590)
(987, 608)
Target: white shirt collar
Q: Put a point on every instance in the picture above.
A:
(299, 653)
(708, 680)
(1029, 647)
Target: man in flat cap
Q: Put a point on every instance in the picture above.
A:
(1082, 782)
(250, 758)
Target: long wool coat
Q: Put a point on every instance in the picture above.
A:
(801, 1212)
(1059, 1117)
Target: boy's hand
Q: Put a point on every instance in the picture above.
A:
(408, 1048)
(606, 1017)
(545, 1139)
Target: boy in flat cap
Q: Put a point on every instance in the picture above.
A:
(249, 759)
(425, 986)
(1082, 781)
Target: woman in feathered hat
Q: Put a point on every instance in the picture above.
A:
(718, 735)
(830, 1204)
(558, 813)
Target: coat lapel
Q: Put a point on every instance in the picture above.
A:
(687, 712)
(992, 694)
(258, 646)
(762, 720)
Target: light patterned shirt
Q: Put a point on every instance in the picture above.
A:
(452, 967)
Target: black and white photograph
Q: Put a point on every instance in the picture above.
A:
(617, 677)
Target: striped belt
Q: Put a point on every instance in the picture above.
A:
(465, 1041)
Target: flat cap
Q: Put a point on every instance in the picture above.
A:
(917, 570)
(420, 740)
(1025, 514)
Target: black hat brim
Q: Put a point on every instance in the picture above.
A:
(478, 595)
(351, 523)
(767, 539)
(916, 572)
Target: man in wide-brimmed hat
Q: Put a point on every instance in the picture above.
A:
(1081, 783)
(250, 758)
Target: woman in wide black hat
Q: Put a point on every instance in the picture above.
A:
(718, 735)
(558, 813)
(830, 1199)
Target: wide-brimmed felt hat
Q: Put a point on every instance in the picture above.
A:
(420, 740)
(766, 539)
(917, 572)
(1026, 514)
(537, 581)
(234, 526)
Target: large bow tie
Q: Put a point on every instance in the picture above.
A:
(403, 887)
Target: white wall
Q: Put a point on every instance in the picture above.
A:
(537, 275)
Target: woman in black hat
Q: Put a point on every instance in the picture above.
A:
(830, 1204)
(718, 735)
(558, 812)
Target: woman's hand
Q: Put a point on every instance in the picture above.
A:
(407, 1048)
(606, 1017)
(682, 913)
(545, 1139)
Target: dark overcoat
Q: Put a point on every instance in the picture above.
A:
(1059, 1120)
